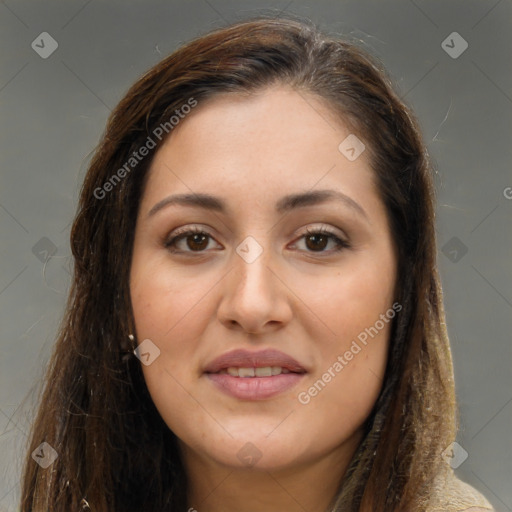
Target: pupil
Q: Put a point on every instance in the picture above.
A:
(197, 239)
(315, 239)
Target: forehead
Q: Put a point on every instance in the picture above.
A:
(261, 145)
(275, 117)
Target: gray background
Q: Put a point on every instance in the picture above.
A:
(53, 111)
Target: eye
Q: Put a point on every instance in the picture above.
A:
(197, 240)
(316, 239)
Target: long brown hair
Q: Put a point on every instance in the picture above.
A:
(114, 450)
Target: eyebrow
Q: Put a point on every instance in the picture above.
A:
(284, 205)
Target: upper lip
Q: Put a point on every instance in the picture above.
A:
(246, 359)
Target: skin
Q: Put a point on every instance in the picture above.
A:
(306, 300)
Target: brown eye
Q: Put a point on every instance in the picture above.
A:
(196, 240)
(316, 240)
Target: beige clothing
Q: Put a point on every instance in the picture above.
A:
(452, 494)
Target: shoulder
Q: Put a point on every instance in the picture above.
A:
(450, 494)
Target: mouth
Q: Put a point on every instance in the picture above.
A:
(264, 371)
(254, 375)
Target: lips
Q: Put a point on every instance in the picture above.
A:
(263, 359)
(254, 375)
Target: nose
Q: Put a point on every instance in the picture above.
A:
(255, 298)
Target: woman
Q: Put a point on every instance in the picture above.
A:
(255, 320)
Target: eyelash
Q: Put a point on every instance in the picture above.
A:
(340, 244)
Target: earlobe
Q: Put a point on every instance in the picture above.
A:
(128, 351)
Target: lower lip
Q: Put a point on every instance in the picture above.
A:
(255, 388)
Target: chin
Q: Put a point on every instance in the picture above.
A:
(252, 458)
(259, 451)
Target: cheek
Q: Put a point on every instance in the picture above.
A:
(167, 300)
(343, 390)
(353, 358)
(170, 309)
(174, 322)
(354, 298)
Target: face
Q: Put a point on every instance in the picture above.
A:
(297, 293)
